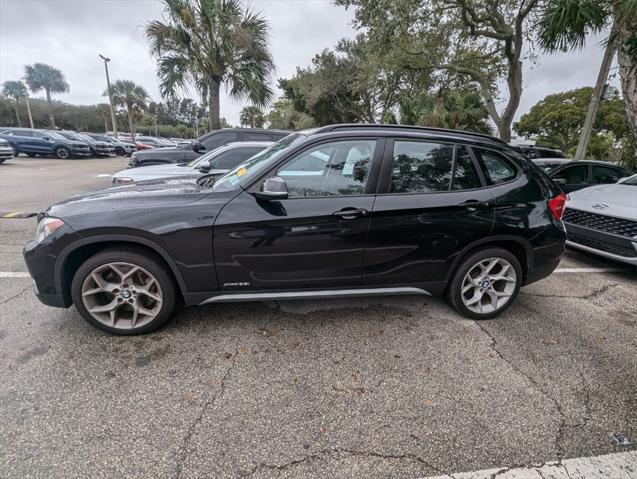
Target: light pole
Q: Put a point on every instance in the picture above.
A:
(110, 93)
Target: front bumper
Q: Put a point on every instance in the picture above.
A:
(608, 245)
(82, 152)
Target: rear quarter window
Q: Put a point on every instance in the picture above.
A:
(495, 166)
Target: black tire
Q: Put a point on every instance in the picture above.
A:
(15, 151)
(136, 257)
(119, 151)
(454, 290)
(62, 153)
(32, 155)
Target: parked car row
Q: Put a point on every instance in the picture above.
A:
(62, 144)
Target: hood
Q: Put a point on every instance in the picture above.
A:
(616, 200)
(174, 154)
(146, 194)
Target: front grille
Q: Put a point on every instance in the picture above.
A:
(626, 251)
(608, 224)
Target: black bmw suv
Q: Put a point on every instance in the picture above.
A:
(342, 210)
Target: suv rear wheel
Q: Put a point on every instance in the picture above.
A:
(485, 283)
(123, 292)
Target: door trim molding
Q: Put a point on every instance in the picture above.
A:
(334, 293)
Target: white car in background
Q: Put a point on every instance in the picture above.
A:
(6, 152)
(216, 162)
(603, 220)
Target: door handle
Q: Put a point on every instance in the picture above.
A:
(475, 204)
(350, 213)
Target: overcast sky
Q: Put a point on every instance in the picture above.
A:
(69, 34)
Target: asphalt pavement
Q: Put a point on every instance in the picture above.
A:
(395, 387)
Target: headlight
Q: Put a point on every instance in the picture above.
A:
(46, 226)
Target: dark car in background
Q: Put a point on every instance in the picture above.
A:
(342, 210)
(547, 164)
(208, 142)
(533, 152)
(155, 141)
(34, 142)
(98, 148)
(575, 175)
(121, 148)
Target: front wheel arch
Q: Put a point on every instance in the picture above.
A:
(74, 255)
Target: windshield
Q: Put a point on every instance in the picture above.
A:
(84, 137)
(632, 181)
(252, 167)
(197, 162)
(56, 135)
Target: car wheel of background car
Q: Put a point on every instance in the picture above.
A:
(62, 153)
(15, 151)
(485, 283)
(123, 291)
(119, 151)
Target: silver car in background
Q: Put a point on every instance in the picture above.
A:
(603, 220)
(6, 152)
(216, 162)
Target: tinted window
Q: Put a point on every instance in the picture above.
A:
(574, 174)
(231, 158)
(37, 134)
(339, 168)
(465, 175)
(26, 133)
(606, 174)
(219, 139)
(278, 136)
(251, 136)
(421, 167)
(496, 168)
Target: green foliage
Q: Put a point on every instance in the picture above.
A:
(557, 121)
(206, 43)
(40, 76)
(252, 116)
(14, 89)
(284, 116)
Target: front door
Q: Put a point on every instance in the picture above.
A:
(313, 239)
(433, 203)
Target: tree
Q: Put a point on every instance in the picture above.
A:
(557, 120)
(252, 116)
(284, 116)
(479, 40)
(565, 24)
(104, 109)
(15, 90)
(207, 43)
(40, 76)
(132, 98)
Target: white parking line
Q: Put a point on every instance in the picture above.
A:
(103, 175)
(620, 465)
(588, 270)
(13, 274)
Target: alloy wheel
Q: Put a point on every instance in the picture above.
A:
(488, 285)
(122, 295)
(62, 153)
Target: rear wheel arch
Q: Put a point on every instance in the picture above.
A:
(74, 255)
(516, 245)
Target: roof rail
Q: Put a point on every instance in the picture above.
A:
(354, 126)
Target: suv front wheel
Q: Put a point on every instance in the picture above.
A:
(123, 292)
(62, 153)
(485, 283)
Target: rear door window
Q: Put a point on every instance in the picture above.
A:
(219, 139)
(421, 167)
(496, 168)
(231, 158)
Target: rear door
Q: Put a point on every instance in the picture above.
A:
(431, 204)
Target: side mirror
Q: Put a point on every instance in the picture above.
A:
(206, 166)
(560, 180)
(274, 188)
(47, 138)
(198, 147)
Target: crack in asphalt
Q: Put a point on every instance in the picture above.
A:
(26, 288)
(593, 294)
(183, 453)
(563, 425)
(351, 452)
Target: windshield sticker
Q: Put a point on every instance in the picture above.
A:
(241, 171)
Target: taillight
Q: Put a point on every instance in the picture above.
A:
(557, 205)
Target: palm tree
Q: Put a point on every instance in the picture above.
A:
(564, 25)
(16, 90)
(132, 98)
(40, 76)
(252, 116)
(207, 43)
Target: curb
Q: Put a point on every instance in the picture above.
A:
(17, 215)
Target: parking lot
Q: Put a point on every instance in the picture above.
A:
(379, 387)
